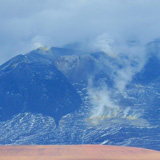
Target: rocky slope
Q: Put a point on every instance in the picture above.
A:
(64, 96)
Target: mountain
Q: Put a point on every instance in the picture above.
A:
(65, 96)
(37, 87)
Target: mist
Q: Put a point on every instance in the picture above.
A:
(30, 24)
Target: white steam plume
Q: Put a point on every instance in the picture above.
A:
(131, 57)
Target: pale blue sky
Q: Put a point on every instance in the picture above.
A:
(28, 24)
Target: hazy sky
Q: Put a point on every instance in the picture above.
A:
(28, 24)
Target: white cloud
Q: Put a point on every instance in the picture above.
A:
(68, 21)
(104, 43)
(106, 111)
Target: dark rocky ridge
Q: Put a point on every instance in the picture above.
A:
(36, 87)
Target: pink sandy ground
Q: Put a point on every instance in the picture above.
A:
(76, 152)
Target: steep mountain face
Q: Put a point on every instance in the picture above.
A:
(78, 68)
(64, 96)
(34, 87)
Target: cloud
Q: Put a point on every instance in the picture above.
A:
(107, 112)
(68, 21)
(126, 58)
(100, 98)
(104, 43)
(132, 60)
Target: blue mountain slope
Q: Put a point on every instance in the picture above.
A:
(78, 92)
(79, 68)
(35, 87)
(150, 72)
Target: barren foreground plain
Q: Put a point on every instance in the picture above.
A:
(76, 152)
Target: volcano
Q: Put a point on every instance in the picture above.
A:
(63, 96)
